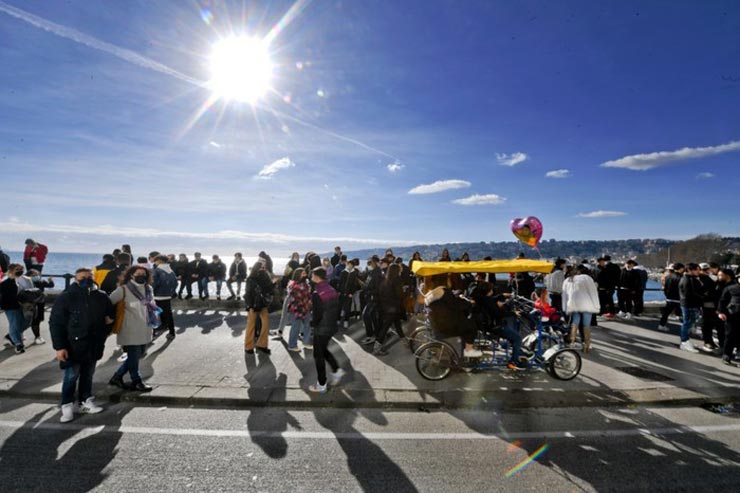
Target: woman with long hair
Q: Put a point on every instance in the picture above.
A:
(299, 308)
(135, 292)
(259, 292)
(581, 302)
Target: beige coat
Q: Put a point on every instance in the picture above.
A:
(134, 331)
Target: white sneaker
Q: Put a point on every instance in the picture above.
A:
(123, 357)
(317, 389)
(627, 316)
(472, 353)
(346, 324)
(68, 413)
(39, 341)
(688, 346)
(275, 332)
(663, 328)
(336, 377)
(89, 407)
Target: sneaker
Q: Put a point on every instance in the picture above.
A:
(663, 328)
(295, 349)
(688, 346)
(367, 340)
(627, 316)
(140, 386)
(19, 349)
(515, 367)
(170, 336)
(308, 346)
(346, 324)
(39, 341)
(336, 377)
(317, 389)
(708, 348)
(622, 314)
(472, 353)
(89, 407)
(68, 413)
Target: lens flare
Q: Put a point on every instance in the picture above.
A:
(537, 453)
(241, 69)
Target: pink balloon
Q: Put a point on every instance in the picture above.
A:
(527, 230)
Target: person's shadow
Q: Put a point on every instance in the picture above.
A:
(264, 422)
(367, 462)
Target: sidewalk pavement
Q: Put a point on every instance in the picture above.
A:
(205, 365)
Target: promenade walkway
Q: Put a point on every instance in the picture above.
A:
(206, 366)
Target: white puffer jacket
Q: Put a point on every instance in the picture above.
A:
(580, 295)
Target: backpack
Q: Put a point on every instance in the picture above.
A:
(166, 280)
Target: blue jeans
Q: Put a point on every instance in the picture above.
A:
(575, 319)
(298, 325)
(219, 283)
(510, 333)
(690, 315)
(203, 286)
(131, 365)
(16, 325)
(82, 372)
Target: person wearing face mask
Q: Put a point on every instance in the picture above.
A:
(38, 317)
(80, 322)
(10, 303)
(137, 296)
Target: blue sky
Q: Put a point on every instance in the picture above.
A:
(96, 145)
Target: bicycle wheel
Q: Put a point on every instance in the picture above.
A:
(419, 337)
(435, 360)
(565, 364)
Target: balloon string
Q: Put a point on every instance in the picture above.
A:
(538, 251)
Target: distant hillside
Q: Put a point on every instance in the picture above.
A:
(589, 249)
(703, 248)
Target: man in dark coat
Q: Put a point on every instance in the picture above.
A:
(80, 321)
(199, 271)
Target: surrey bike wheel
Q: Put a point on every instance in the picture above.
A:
(565, 364)
(419, 337)
(435, 360)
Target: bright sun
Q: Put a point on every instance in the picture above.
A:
(241, 69)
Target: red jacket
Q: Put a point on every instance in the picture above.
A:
(39, 251)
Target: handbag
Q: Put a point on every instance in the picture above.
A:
(120, 308)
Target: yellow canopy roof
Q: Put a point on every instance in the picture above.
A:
(493, 266)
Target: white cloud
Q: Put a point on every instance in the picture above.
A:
(704, 176)
(439, 186)
(269, 171)
(215, 144)
(511, 159)
(476, 199)
(642, 162)
(558, 173)
(602, 214)
(395, 167)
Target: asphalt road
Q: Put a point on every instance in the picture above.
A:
(130, 448)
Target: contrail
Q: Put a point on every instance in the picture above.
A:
(78, 37)
(145, 62)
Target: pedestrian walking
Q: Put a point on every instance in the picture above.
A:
(258, 295)
(581, 302)
(81, 320)
(324, 317)
(729, 312)
(299, 308)
(164, 285)
(10, 303)
(692, 300)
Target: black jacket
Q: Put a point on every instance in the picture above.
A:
(729, 302)
(349, 282)
(259, 291)
(690, 289)
(335, 260)
(447, 312)
(708, 286)
(391, 297)
(199, 268)
(9, 294)
(4, 261)
(372, 287)
(110, 283)
(523, 284)
(670, 289)
(217, 271)
(238, 272)
(325, 310)
(77, 324)
(608, 277)
(630, 280)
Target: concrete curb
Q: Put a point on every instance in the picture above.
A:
(239, 397)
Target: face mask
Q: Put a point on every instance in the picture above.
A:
(85, 283)
(18, 273)
(139, 279)
(36, 279)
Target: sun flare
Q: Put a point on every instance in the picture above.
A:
(241, 69)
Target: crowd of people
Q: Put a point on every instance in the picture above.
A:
(132, 298)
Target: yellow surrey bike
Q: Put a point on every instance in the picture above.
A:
(544, 343)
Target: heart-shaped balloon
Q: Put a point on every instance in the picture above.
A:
(528, 230)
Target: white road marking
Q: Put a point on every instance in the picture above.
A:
(328, 435)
